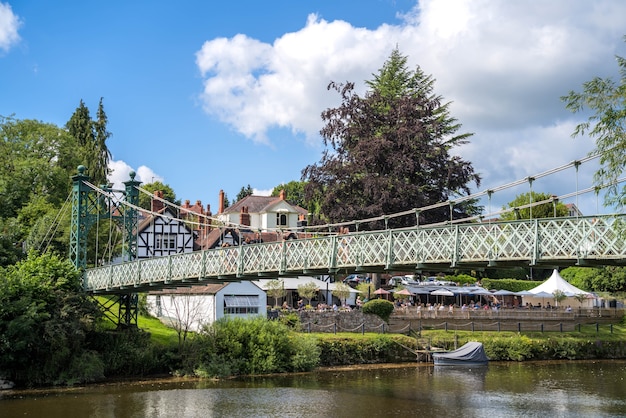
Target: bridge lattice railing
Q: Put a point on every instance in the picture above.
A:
(554, 241)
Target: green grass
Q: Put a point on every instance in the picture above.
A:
(159, 333)
(587, 332)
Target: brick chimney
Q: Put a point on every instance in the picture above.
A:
(220, 202)
(302, 222)
(244, 216)
(157, 205)
(282, 195)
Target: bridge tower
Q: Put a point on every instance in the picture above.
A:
(88, 207)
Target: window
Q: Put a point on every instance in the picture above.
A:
(242, 304)
(281, 219)
(165, 242)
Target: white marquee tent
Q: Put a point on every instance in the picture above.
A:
(551, 285)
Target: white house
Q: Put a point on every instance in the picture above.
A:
(195, 306)
(324, 293)
(262, 212)
(163, 235)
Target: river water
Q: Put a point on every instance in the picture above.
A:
(529, 389)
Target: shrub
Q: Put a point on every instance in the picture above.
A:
(251, 346)
(306, 354)
(380, 307)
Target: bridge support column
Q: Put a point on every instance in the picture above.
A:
(127, 314)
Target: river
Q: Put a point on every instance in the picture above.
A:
(528, 389)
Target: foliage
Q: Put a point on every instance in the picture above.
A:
(307, 290)
(275, 289)
(39, 218)
(45, 323)
(342, 291)
(307, 353)
(294, 190)
(390, 151)
(380, 307)
(10, 250)
(145, 201)
(462, 279)
(551, 209)
(607, 100)
(509, 284)
(344, 349)
(91, 139)
(34, 161)
(597, 279)
(244, 192)
(559, 296)
(367, 289)
(252, 346)
(131, 353)
(37, 161)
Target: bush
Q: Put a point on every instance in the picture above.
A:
(252, 346)
(380, 307)
(306, 354)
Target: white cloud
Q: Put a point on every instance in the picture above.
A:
(503, 64)
(260, 192)
(121, 173)
(9, 25)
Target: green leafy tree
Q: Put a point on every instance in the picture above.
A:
(276, 289)
(545, 210)
(145, 200)
(32, 162)
(294, 190)
(559, 296)
(606, 98)
(45, 322)
(244, 192)
(342, 291)
(46, 226)
(307, 291)
(390, 151)
(10, 242)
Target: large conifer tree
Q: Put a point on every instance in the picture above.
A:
(91, 137)
(389, 151)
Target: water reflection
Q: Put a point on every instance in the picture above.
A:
(510, 389)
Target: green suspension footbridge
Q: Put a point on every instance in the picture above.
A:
(473, 243)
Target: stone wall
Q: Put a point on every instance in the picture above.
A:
(341, 321)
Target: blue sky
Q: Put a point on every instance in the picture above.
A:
(218, 95)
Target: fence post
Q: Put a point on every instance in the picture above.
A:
(335, 328)
(309, 327)
(419, 330)
(611, 328)
(561, 326)
(498, 326)
(579, 327)
(597, 327)
(542, 327)
(519, 327)
(472, 327)
(383, 327)
(363, 328)
(446, 326)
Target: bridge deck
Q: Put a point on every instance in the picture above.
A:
(549, 242)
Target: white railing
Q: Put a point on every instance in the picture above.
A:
(555, 241)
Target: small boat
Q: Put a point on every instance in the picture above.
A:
(471, 354)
